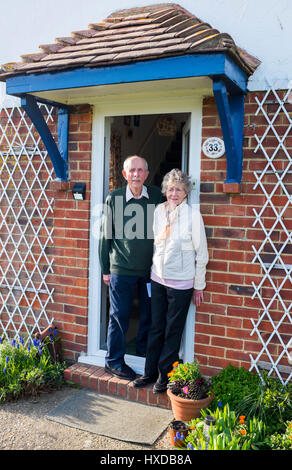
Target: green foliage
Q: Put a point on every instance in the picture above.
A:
(281, 441)
(27, 369)
(229, 432)
(271, 402)
(231, 385)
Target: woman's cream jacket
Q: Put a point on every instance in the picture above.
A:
(180, 253)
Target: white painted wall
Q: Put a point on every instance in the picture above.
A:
(262, 27)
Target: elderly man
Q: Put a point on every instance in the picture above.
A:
(125, 252)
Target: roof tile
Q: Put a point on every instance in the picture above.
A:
(128, 35)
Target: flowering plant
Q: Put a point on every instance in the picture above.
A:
(229, 432)
(281, 441)
(26, 367)
(186, 381)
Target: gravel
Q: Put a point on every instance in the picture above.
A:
(24, 427)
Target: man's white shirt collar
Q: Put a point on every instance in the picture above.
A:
(129, 194)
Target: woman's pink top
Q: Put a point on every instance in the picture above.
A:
(185, 284)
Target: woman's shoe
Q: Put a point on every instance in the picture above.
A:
(159, 387)
(143, 381)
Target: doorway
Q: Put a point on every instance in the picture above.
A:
(108, 116)
(163, 140)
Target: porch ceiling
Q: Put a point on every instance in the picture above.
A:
(92, 94)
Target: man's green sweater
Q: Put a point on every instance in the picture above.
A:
(126, 243)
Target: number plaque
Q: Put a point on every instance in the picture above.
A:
(213, 147)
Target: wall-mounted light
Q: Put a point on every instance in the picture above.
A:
(78, 191)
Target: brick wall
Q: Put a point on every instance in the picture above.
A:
(22, 225)
(71, 240)
(223, 322)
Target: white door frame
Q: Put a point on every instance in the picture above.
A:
(154, 103)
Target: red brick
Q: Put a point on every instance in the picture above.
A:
(132, 392)
(227, 342)
(122, 388)
(103, 382)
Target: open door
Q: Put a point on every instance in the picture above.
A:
(186, 347)
(186, 145)
(134, 132)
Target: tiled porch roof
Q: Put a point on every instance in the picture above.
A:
(136, 34)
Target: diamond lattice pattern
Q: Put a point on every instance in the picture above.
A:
(274, 180)
(25, 224)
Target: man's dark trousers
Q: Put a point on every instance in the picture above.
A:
(122, 292)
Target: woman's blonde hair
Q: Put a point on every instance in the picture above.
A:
(176, 176)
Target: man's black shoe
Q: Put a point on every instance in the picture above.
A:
(143, 381)
(159, 387)
(123, 372)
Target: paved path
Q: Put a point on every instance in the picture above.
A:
(24, 427)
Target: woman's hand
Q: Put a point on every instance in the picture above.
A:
(106, 279)
(198, 297)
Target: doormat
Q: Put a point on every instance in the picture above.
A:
(113, 417)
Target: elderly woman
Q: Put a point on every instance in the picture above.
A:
(177, 276)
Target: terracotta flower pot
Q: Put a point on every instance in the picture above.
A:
(185, 409)
(180, 428)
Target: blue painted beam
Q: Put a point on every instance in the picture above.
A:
(213, 65)
(231, 112)
(63, 131)
(59, 159)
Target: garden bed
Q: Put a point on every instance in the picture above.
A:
(248, 414)
(29, 367)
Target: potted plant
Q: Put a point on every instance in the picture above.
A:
(178, 431)
(188, 391)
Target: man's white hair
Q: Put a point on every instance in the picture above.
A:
(134, 156)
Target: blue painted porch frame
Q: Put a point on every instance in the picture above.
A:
(57, 153)
(227, 77)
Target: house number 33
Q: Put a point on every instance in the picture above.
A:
(213, 147)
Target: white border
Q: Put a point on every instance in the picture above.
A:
(151, 104)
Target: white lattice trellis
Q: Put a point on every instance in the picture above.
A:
(24, 229)
(278, 334)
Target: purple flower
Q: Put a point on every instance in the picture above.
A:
(185, 390)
